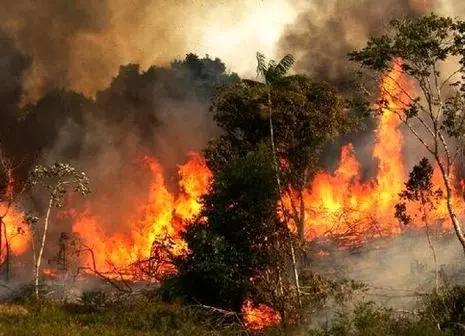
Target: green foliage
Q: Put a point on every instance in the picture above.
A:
(94, 299)
(306, 115)
(235, 239)
(419, 188)
(369, 319)
(420, 42)
(446, 308)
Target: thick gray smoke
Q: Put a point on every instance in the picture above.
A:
(80, 44)
(324, 32)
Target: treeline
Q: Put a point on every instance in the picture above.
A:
(140, 103)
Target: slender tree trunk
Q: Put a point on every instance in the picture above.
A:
(42, 246)
(7, 254)
(1, 240)
(450, 207)
(278, 181)
(431, 246)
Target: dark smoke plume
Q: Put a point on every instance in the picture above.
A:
(321, 37)
(80, 44)
(324, 33)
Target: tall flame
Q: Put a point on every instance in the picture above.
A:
(163, 217)
(14, 232)
(340, 204)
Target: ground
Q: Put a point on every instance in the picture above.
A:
(70, 320)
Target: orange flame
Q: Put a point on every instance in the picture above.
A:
(50, 272)
(259, 317)
(14, 232)
(163, 218)
(340, 204)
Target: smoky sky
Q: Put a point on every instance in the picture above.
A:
(323, 34)
(320, 38)
(80, 44)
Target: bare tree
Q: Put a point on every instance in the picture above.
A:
(57, 180)
(434, 110)
(9, 193)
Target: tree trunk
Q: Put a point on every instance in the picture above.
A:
(450, 208)
(278, 181)
(42, 246)
(431, 246)
(7, 254)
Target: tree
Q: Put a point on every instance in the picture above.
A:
(435, 114)
(420, 190)
(9, 193)
(306, 115)
(57, 179)
(271, 74)
(235, 244)
(295, 115)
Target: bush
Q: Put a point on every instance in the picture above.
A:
(446, 308)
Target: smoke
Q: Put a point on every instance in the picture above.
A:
(397, 271)
(79, 45)
(325, 31)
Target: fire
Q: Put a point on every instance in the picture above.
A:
(50, 272)
(164, 216)
(14, 232)
(15, 235)
(259, 317)
(194, 182)
(340, 204)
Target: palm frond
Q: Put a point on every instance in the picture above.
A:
(284, 65)
(261, 65)
(270, 74)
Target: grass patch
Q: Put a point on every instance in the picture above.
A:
(135, 319)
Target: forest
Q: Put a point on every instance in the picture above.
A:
(185, 199)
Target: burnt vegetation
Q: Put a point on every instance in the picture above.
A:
(248, 263)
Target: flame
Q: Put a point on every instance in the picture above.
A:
(195, 178)
(340, 204)
(164, 216)
(50, 272)
(15, 230)
(259, 317)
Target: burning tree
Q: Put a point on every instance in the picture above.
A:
(237, 244)
(57, 180)
(424, 49)
(12, 228)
